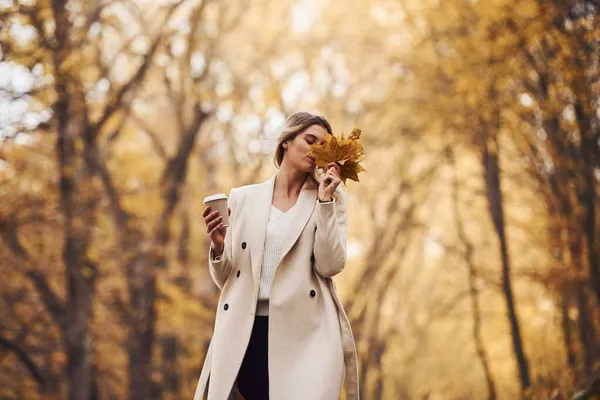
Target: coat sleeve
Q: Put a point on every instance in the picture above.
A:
(220, 267)
(330, 237)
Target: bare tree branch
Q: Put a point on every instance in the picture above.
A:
(154, 137)
(140, 74)
(24, 357)
(9, 234)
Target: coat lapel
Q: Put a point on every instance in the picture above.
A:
(304, 208)
(262, 207)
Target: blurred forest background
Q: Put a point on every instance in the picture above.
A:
(474, 252)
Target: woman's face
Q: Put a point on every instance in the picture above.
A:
(298, 150)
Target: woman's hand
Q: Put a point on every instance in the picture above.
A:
(215, 229)
(330, 182)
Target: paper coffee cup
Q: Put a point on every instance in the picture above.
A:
(218, 202)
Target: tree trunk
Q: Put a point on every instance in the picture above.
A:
(473, 291)
(78, 208)
(562, 253)
(141, 333)
(379, 350)
(79, 271)
(568, 335)
(170, 372)
(494, 196)
(588, 195)
(362, 379)
(150, 259)
(587, 332)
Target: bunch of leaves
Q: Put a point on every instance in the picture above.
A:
(346, 152)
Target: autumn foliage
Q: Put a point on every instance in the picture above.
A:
(474, 239)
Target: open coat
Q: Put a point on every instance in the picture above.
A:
(311, 348)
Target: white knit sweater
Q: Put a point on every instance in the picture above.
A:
(276, 233)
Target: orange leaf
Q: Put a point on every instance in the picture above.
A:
(350, 170)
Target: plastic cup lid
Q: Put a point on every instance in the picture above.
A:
(220, 196)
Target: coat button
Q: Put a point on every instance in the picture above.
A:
(313, 293)
(243, 245)
(226, 306)
(238, 273)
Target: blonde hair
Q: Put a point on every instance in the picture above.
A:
(295, 125)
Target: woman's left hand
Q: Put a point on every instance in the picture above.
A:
(330, 182)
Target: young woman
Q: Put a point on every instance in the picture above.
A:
(280, 330)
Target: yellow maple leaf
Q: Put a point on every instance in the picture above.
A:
(347, 152)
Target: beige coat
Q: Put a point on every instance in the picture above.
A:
(310, 340)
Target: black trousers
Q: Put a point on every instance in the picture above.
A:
(253, 377)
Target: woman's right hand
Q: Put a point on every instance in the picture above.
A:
(215, 229)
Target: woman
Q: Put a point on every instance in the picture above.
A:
(280, 330)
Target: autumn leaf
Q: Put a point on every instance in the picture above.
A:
(355, 135)
(347, 152)
(350, 170)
